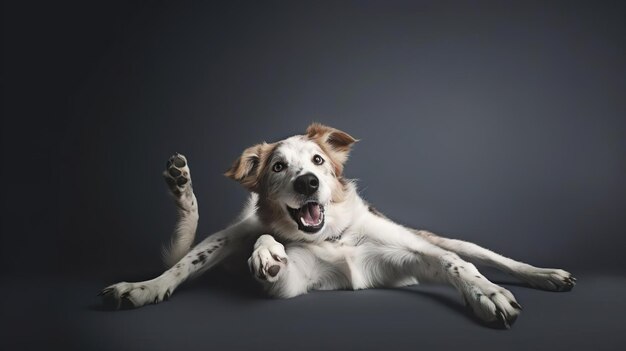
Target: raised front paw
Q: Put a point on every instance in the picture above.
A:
(131, 295)
(177, 175)
(549, 279)
(493, 304)
(268, 259)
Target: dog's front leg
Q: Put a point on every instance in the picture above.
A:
(282, 275)
(490, 302)
(398, 248)
(203, 256)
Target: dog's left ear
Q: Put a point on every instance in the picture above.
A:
(247, 168)
(334, 142)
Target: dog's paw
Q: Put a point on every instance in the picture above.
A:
(132, 295)
(177, 175)
(549, 279)
(268, 259)
(493, 304)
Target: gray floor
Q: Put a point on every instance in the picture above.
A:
(217, 312)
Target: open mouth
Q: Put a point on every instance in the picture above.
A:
(310, 217)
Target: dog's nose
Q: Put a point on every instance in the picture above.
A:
(306, 184)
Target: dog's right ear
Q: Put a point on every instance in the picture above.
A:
(247, 168)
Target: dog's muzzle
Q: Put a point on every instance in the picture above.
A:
(309, 217)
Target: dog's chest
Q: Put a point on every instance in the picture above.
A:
(334, 252)
(343, 257)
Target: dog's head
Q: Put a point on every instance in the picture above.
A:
(298, 179)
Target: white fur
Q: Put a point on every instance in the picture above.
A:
(356, 249)
(187, 204)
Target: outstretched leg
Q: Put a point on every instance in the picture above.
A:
(490, 302)
(542, 278)
(203, 256)
(393, 248)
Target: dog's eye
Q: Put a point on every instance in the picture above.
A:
(318, 160)
(278, 166)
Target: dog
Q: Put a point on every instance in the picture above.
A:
(308, 229)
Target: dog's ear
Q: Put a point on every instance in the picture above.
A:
(333, 141)
(248, 167)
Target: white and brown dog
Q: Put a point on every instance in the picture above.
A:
(308, 229)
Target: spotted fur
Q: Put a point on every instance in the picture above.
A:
(354, 247)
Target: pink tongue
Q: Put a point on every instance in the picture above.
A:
(311, 213)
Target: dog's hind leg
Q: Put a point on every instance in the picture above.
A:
(178, 178)
(542, 278)
(203, 256)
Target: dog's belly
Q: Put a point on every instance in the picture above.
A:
(358, 267)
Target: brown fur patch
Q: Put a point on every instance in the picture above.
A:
(248, 168)
(271, 214)
(335, 144)
(375, 212)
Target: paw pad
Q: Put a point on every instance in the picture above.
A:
(273, 270)
(179, 161)
(268, 259)
(177, 173)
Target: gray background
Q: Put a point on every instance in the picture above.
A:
(502, 123)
